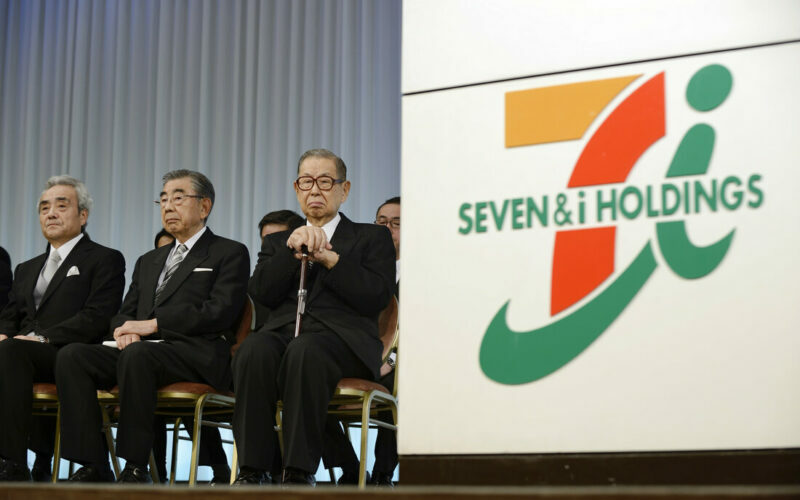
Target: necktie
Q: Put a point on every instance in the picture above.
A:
(172, 266)
(49, 270)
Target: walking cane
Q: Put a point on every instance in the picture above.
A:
(302, 293)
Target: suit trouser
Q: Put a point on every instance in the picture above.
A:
(338, 450)
(23, 363)
(303, 372)
(211, 451)
(139, 370)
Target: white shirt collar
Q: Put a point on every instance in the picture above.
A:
(191, 241)
(330, 226)
(397, 270)
(65, 249)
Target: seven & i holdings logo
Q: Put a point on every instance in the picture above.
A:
(598, 198)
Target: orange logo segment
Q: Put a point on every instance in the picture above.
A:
(582, 260)
(560, 112)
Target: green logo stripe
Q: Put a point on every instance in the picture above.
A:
(683, 257)
(512, 358)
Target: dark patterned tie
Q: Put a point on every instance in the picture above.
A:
(172, 266)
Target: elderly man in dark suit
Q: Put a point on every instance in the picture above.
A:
(350, 281)
(188, 296)
(65, 296)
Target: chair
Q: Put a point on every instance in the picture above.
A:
(45, 403)
(183, 399)
(357, 402)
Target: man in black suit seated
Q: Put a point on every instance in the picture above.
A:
(65, 296)
(349, 282)
(188, 296)
(5, 277)
(211, 452)
(338, 450)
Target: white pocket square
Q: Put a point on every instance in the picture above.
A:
(202, 269)
(73, 271)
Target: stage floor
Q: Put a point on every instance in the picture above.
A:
(22, 491)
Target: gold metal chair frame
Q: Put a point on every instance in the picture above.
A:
(184, 399)
(45, 403)
(357, 402)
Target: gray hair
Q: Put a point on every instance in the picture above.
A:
(84, 200)
(200, 183)
(341, 168)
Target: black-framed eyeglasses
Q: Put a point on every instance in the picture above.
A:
(176, 199)
(394, 222)
(324, 182)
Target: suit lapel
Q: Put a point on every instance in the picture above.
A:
(75, 257)
(196, 255)
(32, 277)
(342, 242)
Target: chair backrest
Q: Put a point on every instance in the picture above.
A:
(245, 325)
(388, 327)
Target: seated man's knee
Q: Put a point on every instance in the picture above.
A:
(71, 356)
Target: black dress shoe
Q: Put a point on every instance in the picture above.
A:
(11, 470)
(292, 475)
(350, 477)
(135, 474)
(40, 473)
(252, 476)
(41, 468)
(381, 479)
(90, 474)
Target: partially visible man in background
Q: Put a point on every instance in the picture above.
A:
(279, 220)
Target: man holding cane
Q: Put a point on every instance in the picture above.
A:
(349, 281)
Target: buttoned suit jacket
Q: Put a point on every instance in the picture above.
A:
(83, 295)
(200, 303)
(347, 298)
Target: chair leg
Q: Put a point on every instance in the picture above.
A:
(279, 428)
(234, 463)
(198, 422)
(110, 439)
(57, 447)
(173, 465)
(154, 469)
(362, 462)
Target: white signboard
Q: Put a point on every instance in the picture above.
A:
(604, 259)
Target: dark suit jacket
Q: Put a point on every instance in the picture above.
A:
(347, 298)
(74, 308)
(5, 277)
(201, 302)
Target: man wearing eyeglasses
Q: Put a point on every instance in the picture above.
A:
(338, 451)
(349, 282)
(184, 297)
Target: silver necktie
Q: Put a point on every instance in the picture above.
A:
(46, 275)
(172, 266)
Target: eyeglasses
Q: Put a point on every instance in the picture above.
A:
(394, 222)
(324, 182)
(177, 199)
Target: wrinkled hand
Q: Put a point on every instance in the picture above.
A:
(319, 249)
(139, 328)
(126, 339)
(385, 369)
(26, 337)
